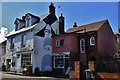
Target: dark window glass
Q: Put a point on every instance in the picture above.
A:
(12, 43)
(82, 46)
(23, 43)
(61, 42)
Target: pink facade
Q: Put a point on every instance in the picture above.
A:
(106, 41)
(70, 43)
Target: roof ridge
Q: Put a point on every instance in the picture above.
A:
(89, 26)
(94, 22)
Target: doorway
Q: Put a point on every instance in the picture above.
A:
(8, 64)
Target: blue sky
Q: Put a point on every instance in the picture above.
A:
(80, 12)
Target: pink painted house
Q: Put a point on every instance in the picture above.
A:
(96, 40)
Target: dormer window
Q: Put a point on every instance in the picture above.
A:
(16, 26)
(17, 22)
(28, 21)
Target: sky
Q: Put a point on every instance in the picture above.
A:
(80, 12)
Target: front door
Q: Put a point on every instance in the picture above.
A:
(8, 64)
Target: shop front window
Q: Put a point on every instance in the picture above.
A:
(26, 60)
(59, 60)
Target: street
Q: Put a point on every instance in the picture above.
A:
(19, 77)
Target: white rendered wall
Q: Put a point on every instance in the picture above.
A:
(42, 58)
(18, 38)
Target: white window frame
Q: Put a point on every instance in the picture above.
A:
(91, 43)
(58, 43)
(82, 51)
(28, 21)
(61, 56)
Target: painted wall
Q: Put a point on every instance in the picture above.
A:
(42, 57)
(90, 50)
(106, 41)
(2, 52)
(8, 52)
(18, 38)
(70, 43)
(17, 47)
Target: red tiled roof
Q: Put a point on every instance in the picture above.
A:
(89, 27)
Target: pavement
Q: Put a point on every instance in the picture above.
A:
(10, 76)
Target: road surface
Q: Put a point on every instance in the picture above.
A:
(6, 76)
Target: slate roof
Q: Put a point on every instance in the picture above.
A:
(21, 30)
(88, 28)
(47, 18)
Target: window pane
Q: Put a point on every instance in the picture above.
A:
(16, 27)
(66, 56)
(23, 40)
(61, 42)
(28, 22)
(57, 43)
(12, 43)
(26, 60)
(92, 41)
(59, 62)
(82, 46)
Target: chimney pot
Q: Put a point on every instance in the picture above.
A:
(51, 8)
(61, 24)
(75, 24)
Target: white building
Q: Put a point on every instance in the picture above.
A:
(3, 33)
(31, 42)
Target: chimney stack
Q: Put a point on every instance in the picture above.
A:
(52, 9)
(75, 24)
(61, 25)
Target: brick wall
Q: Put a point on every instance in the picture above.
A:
(108, 76)
(75, 74)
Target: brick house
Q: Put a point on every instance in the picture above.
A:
(84, 43)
